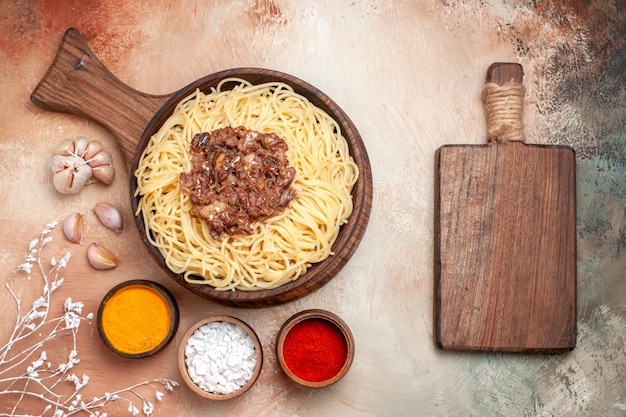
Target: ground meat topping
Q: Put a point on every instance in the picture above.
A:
(238, 177)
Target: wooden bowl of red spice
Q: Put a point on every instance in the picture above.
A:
(137, 318)
(315, 348)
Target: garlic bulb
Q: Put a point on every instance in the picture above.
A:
(109, 216)
(78, 162)
(100, 257)
(69, 174)
(73, 228)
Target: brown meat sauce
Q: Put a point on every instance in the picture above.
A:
(238, 177)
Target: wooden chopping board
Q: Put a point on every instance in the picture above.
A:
(505, 234)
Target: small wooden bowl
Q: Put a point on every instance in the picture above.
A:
(167, 297)
(328, 317)
(182, 365)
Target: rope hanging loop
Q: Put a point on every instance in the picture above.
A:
(504, 103)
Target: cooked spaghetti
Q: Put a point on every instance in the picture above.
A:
(279, 249)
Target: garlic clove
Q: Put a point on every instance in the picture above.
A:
(109, 216)
(104, 173)
(81, 144)
(69, 175)
(101, 162)
(73, 228)
(65, 148)
(102, 165)
(93, 148)
(100, 258)
(100, 158)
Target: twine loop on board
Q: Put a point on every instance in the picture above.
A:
(503, 105)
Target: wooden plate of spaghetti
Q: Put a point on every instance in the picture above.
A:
(284, 146)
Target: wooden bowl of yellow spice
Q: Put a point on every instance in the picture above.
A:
(137, 318)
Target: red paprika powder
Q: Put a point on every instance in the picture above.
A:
(315, 350)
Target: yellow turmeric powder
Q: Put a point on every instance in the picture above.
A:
(136, 319)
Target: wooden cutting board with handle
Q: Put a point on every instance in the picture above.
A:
(505, 234)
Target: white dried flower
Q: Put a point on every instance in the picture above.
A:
(78, 382)
(73, 357)
(170, 384)
(64, 260)
(49, 227)
(56, 284)
(76, 307)
(26, 267)
(32, 372)
(72, 320)
(148, 408)
(40, 303)
(34, 315)
(41, 372)
(77, 400)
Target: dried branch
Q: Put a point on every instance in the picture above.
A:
(38, 380)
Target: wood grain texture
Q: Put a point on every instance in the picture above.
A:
(78, 83)
(409, 74)
(505, 246)
(506, 260)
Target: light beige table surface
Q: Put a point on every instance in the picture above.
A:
(409, 74)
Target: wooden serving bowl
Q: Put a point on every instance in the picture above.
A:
(315, 314)
(78, 83)
(182, 365)
(172, 308)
